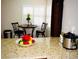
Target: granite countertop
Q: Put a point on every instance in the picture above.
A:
(49, 48)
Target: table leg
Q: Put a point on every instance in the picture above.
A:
(33, 31)
(24, 31)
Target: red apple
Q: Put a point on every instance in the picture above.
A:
(25, 43)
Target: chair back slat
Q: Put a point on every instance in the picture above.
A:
(43, 27)
(15, 26)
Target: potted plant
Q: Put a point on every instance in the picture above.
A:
(28, 18)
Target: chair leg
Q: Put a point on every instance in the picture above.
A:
(37, 34)
(43, 34)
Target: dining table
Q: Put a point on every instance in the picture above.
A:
(26, 26)
(43, 48)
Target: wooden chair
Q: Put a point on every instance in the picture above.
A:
(42, 31)
(16, 30)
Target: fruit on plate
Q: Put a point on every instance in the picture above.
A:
(20, 42)
(26, 40)
(25, 43)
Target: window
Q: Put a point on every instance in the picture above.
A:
(37, 14)
(25, 11)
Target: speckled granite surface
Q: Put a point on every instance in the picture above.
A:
(49, 48)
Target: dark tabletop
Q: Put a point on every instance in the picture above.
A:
(27, 26)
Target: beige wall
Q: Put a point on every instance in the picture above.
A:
(10, 12)
(70, 16)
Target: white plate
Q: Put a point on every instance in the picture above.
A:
(21, 43)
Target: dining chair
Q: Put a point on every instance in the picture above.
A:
(16, 30)
(42, 31)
